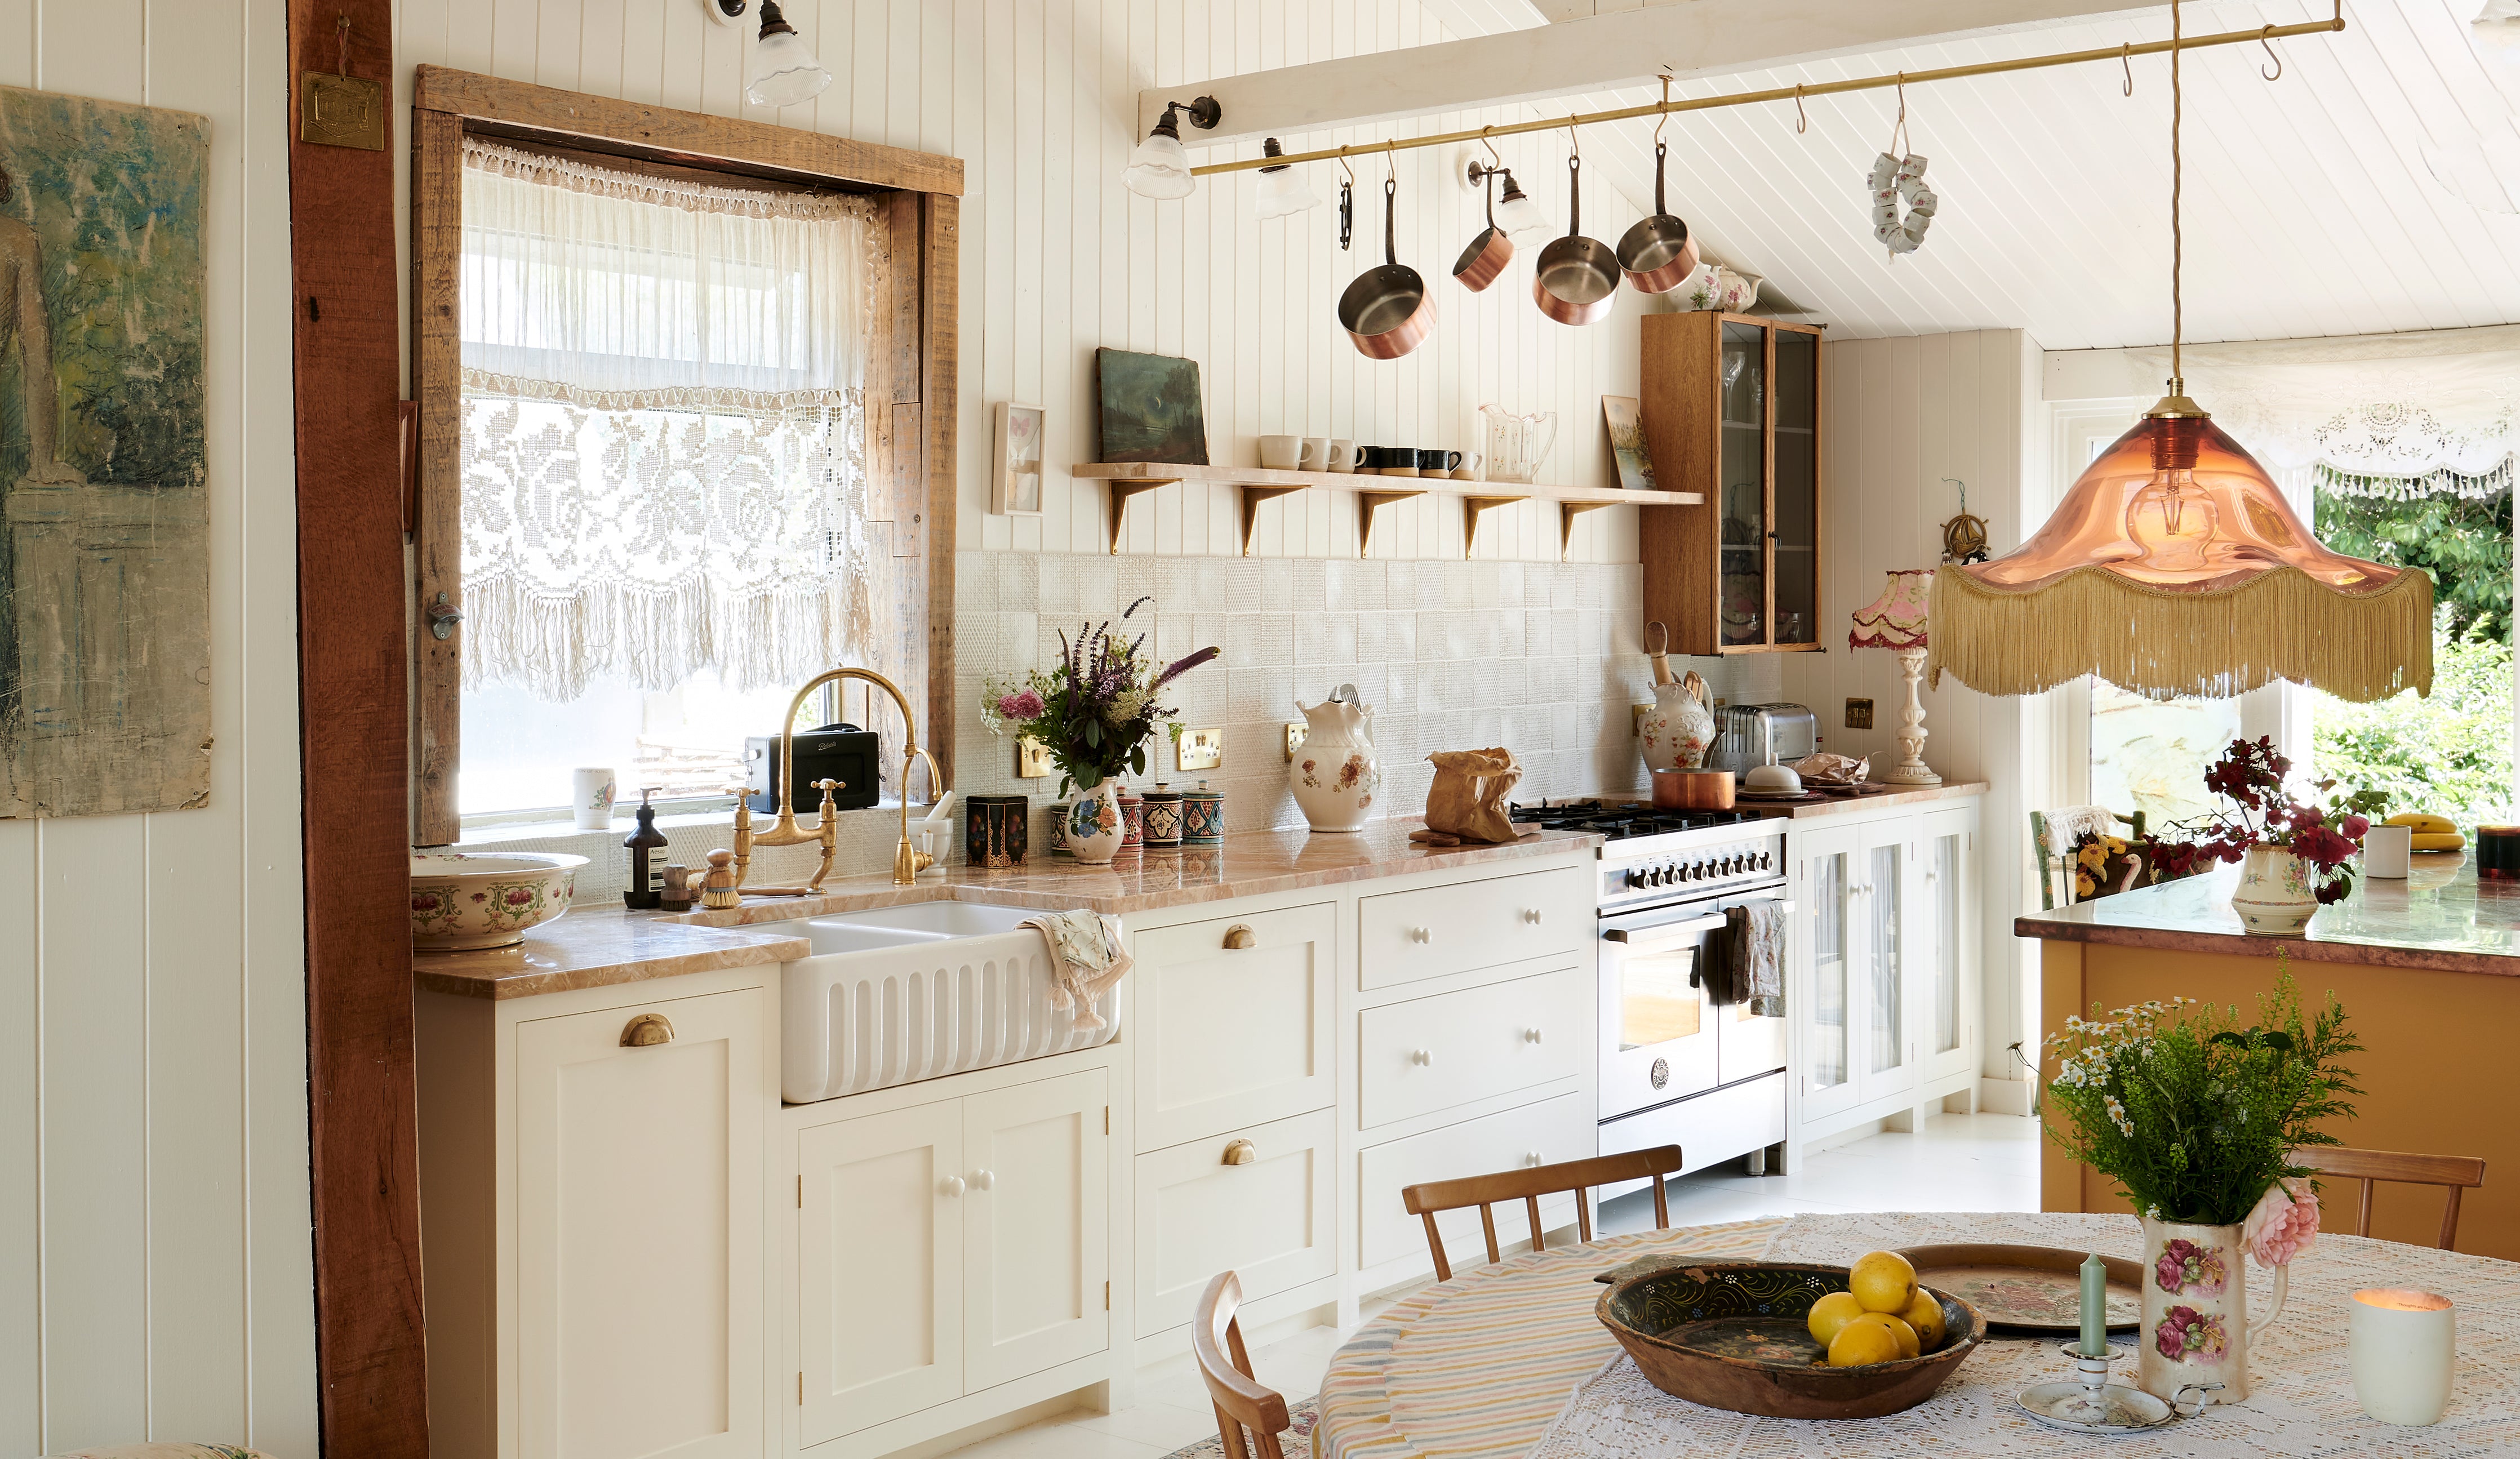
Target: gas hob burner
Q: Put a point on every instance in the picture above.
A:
(1621, 822)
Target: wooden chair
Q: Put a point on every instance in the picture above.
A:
(1225, 1366)
(2452, 1173)
(2052, 835)
(1528, 1185)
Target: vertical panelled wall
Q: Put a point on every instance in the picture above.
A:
(1901, 415)
(1038, 97)
(155, 1262)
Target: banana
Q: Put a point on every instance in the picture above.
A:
(2437, 841)
(2425, 824)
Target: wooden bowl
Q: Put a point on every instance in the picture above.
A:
(1732, 1335)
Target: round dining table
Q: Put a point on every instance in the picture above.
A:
(1508, 1361)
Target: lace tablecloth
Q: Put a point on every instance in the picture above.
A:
(1508, 1361)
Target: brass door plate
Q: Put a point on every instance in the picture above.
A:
(1636, 720)
(1295, 731)
(336, 111)
(1858, 713)
(1200, 749)
(1032, 759)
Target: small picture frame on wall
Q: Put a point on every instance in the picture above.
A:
(1014, 486)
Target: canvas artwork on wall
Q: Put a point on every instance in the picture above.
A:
(105, 646)
(1628, 442)
(1150, 409)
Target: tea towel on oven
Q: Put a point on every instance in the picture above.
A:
(1756, 957)
(1088, 954)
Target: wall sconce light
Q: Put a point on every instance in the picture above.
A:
(1159, 168)
(727, 12)
(784, 71)
(1281, 192)
(1516, 212)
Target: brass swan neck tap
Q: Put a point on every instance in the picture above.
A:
(907, 861)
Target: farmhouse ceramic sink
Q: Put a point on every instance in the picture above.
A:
(905, 994)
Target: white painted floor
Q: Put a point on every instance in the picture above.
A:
(1959, 1162)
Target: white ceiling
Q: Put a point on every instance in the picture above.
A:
(2309, 207)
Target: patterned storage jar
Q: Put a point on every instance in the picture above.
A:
(1163, 818)
(1133, 823)
(1202, 817)
(997, 829)
(1059, 846)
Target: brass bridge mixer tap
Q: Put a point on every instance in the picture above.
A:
(907, 861)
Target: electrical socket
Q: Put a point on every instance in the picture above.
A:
(1858, 713)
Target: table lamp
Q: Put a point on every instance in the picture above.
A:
(1896, 621)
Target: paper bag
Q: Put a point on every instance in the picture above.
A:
(1469, 797)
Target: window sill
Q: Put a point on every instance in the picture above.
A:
(506, 834)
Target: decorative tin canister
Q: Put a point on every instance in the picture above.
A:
(1133, 823)
(1163, 818)
(1059, 846)
(1202, 817)
(997, 829)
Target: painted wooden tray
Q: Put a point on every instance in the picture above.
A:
(2028, 1289)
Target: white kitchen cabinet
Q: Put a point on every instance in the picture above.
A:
(1831, 873)
(1430, 932)
(1271, 1218)
(1234, 1022)
(1884, 1045)
(1561, 1128)
(1949, 977)
(951, 1246)
(1429, 1054)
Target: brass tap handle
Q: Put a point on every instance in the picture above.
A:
(1241, 1153)
(646, 1031)
(1239, 936)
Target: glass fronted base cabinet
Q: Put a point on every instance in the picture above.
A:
(1731, 407)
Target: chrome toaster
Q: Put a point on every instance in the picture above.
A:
(1749, 736)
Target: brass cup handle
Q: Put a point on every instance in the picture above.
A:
(1239, 936)
(1241, 1153)
(646, 1031)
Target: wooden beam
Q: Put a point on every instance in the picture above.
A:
(438, 530)
(1703, 38)
(355, 792)
(940, 336)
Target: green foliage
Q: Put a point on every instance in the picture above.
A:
(2463, 544)
(2192, 1114)
(2449, 754)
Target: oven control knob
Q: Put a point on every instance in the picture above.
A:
(1662, 874)
(1763, 861)
(1638, 877)
(1732, 865)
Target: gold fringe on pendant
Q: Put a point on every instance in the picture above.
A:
(2167, 644)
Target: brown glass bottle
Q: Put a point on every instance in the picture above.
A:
(646, 889)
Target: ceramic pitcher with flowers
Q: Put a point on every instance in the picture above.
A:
(1336, 774)
(1676, 731)
(2196, 1328)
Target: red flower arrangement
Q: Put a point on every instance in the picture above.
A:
(2251, 775)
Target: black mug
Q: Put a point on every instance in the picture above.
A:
(1437, 462)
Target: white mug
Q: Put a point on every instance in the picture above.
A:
(1281, 453)
(1468, 469)
(590, 799)
(1342, 455)
(2385, 850)
(1315, 455)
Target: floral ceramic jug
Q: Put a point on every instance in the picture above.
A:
(2196, 1329)
(1677, 732)
(1095, 825)
(1334, 774)
(2276, 896)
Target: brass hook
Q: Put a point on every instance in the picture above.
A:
(1390, 165)
(1665, 117)
(1490, 146)
(2125, 54)
(1802, 118)
(1344, 167)
(2266, 40)
(1574, 147)
(1899, 130)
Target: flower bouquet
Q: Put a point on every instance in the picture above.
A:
(2196, 1118)
(2322, 839)
(1093, 711)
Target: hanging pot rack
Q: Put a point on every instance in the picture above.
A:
(2263, 35)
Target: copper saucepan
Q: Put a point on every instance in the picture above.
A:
(1692, 789)
(1658, 253)
(1488, 253)
(1387, 310)
(1576, 278)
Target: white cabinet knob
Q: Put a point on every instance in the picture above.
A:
(984, 1179)
(1531, 915)
(1531, 1035)
(1420, 935)
(1422, 1058)
(1532, 1159)
(953, 1185)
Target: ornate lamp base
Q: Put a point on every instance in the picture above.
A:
(1911, 768)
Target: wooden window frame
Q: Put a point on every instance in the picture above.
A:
(910, 393)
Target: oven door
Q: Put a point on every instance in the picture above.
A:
(1658, 1019)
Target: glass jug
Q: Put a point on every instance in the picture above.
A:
(1518, 444)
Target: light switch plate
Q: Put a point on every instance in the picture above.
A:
(1858, 713)
(1295, 731)
(1200, 749)
(1032, 759)
(1636, 720)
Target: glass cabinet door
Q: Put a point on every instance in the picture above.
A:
(1832, 897)
(1943, 890)
(1742, 571)
(1885, 1041)
(1797, 487)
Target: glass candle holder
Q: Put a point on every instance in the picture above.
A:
(2498, 853)
(2402, 1346)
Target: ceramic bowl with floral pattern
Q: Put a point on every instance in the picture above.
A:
(464, 900)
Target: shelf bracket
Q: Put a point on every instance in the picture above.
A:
(1252, 496)
(1472, 510)
(1121, 493)
(1567, 512)
(1367, 503)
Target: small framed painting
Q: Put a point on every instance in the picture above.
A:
(1015, 487)
(1628, 442)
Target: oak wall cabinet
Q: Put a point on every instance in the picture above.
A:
(1731, 413)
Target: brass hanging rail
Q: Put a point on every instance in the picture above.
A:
(1791, 93)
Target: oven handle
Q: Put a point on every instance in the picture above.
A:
(1658, 939)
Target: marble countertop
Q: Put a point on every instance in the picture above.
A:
(595, 946)
(1839, 805)
(2441, 917)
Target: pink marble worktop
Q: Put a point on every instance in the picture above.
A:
(591, 947)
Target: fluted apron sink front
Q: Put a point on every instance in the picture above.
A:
(905, 994)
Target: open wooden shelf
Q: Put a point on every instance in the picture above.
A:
(1258, 484)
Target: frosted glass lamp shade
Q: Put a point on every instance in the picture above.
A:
(1158, 169)
(784, 71)
(1283, 191)
(1520, 217)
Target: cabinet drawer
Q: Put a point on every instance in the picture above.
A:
(1427, 1054)
(1406, 936)
(1554, 1130)
(1271, 1221)
(1234, 1036)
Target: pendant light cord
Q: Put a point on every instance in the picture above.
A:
(2178, 318)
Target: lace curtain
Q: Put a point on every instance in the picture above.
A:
(664, 439)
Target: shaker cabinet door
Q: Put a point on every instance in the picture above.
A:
(1038, 1227)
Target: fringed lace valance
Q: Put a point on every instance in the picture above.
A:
(663, 440)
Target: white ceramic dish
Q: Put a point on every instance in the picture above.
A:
(463, 899)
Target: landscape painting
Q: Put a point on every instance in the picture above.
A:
(1150, 409)
(105, 654)
(1628, 442)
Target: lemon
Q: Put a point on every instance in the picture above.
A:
(1909, 1345)
(1865, 1340)
(1832, 1312)
(1925, 1315)
(1882, 1281)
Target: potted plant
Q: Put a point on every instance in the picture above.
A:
(1093, 710)
(2295, 857)
(2196, 1119)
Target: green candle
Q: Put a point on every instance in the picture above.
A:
(2095, 1307)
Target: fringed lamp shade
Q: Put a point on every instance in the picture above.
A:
(2174, 567)
(1896, 619)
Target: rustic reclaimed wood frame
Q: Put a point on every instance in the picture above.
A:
(909, 389)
